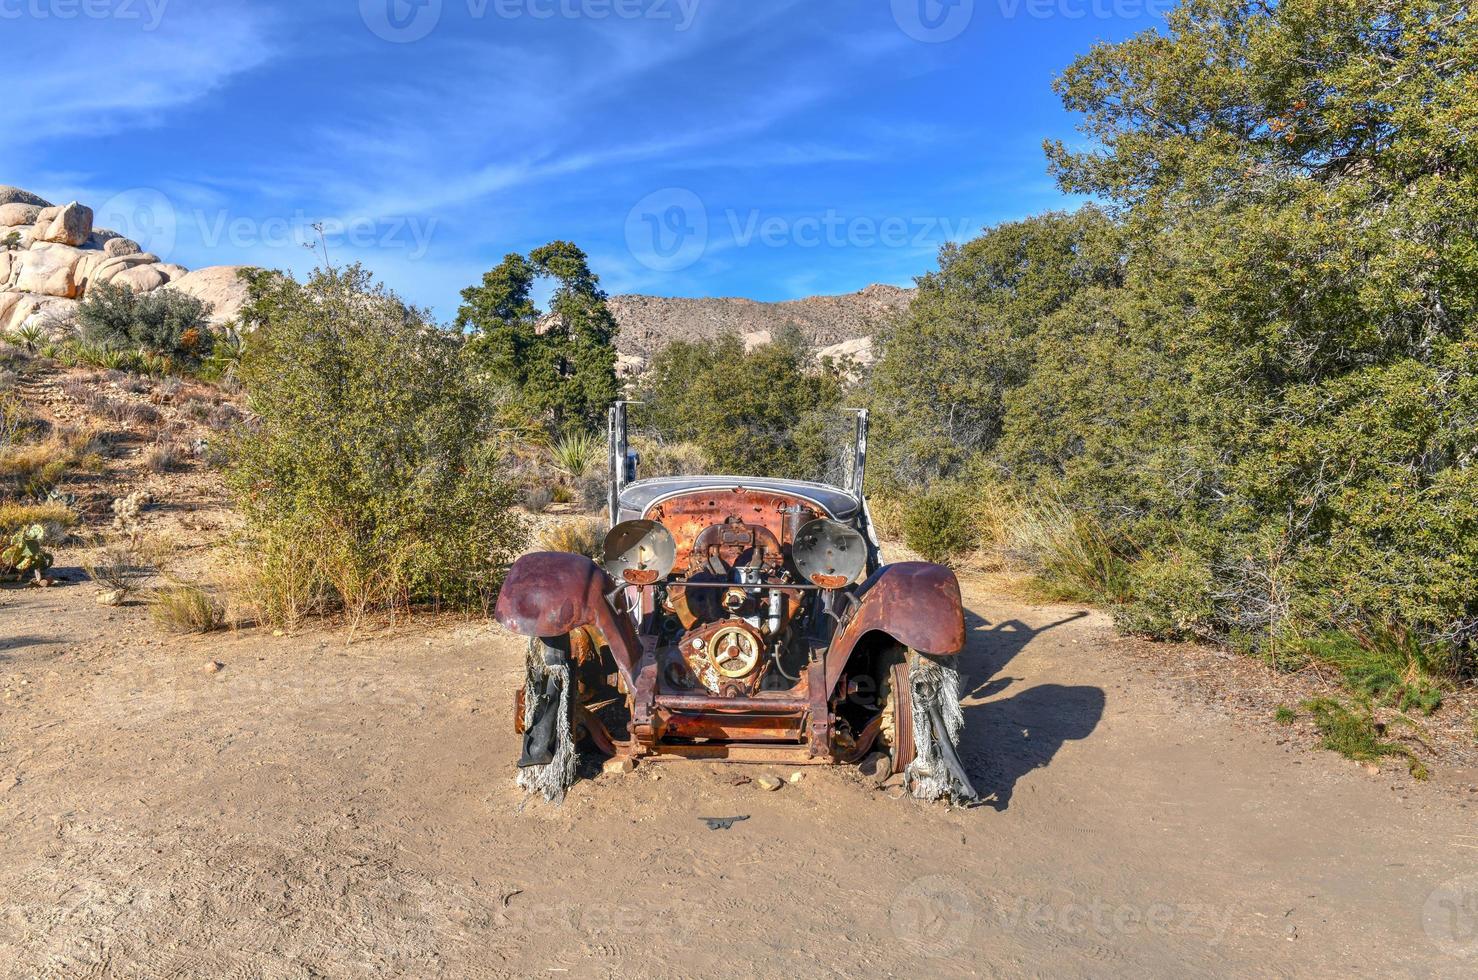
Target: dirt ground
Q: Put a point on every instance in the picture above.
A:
(321, 808)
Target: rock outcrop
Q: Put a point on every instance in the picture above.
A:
(51, 255)
(649, 323)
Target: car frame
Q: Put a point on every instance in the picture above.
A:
(738, 619)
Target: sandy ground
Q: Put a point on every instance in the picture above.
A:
(319, 808)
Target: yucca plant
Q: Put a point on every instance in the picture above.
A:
(578, 454)
(30, 336)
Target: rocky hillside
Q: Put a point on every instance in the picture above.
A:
(836, 324)
(51, 255)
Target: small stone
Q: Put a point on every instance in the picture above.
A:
(278, 633)
(1372, 768)
(769, 783)
(214, 666)
(110, 597)
(796, 777)
(618, 765)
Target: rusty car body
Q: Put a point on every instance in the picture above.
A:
(742, 619)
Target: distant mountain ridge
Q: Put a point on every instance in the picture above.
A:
(649, 323)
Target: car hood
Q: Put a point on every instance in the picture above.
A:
(637, 497)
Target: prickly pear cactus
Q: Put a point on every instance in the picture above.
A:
(25, 554)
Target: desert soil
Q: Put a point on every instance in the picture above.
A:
(318, 807)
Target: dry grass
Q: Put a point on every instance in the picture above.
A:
(163, 457)
(122, 562)
(30, 469)
(187, 609)
(585, 536)
(670, 458)
(56, 518)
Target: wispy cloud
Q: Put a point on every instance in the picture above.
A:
(107, 77)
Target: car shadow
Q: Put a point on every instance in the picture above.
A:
(1007, 738)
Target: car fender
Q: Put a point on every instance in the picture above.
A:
(550, 594)
(916, 603)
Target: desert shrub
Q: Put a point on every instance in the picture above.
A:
(537, 498)
(1070, 552)
(163, 457)
(590, 492)
(765, 412)
(942, 524)
(164, 323)
(224, 416)
(373, 478)
(661, 458)
(186, 609)
(585, 536)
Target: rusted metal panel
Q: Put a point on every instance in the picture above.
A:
(916, 603)
(551, 594)
(690, 515)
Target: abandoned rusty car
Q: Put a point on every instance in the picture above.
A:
(743, 619)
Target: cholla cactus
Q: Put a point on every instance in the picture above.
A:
(126, 510)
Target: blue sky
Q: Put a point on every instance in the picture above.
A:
(762, 148)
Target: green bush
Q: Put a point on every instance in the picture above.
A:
(942, 524)
(1249, 376)
(371, 475)
(764, 412)
(164, 322)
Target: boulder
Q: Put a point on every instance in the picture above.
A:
(172, 271)
(218, 285)
(52, 313)
(757, 338)
(858, 350)
(70, 225)
(49, 270)
(121, 246)
(14, 195)
(19, 214)
(111, 265)
(141, 278)
(8, 301)
(630, 365)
